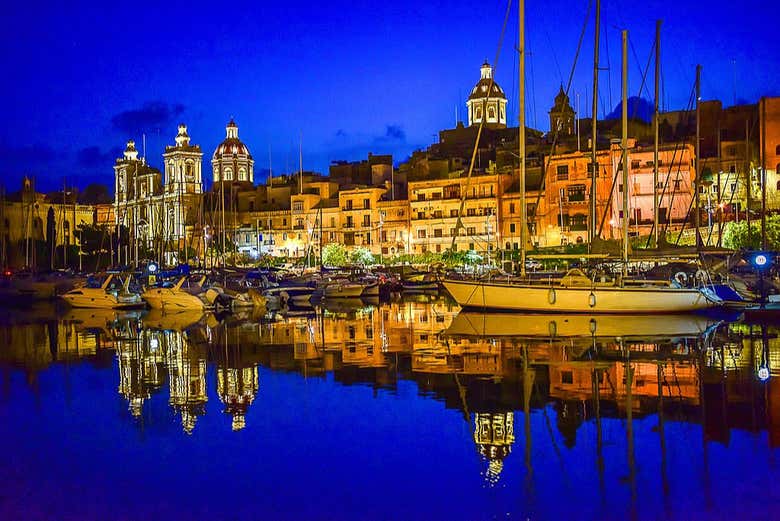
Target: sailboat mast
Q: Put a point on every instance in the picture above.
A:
(594, 121)
(656, 202)
(521, 129)
(697, 184)
(624, 144)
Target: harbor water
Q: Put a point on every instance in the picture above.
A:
(400, 411)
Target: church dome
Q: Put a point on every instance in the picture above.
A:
(231, 145)
(480, 90)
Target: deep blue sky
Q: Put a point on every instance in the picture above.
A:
(349, 77)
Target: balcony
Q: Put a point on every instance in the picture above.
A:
(349, 225)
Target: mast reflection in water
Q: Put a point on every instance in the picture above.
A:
(409, 410)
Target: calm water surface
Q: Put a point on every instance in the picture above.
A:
(402, 411)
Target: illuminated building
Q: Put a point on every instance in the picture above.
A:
(489, 107)
(29, 217)
(231, 160)
(434, 208)
(153, 209)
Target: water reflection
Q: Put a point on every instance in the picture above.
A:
(558, 373)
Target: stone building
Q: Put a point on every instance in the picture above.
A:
(160, 213)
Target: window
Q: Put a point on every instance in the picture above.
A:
(421, 215)
(453, 213)
(511, 228)
(453, 232)
(471, 246)
(471, 212)
(366, 220)
(437, 214)
(733, 187)
(332, 222)
(731, 151)
(562, 172)
(298, 206)
(366, 204)
(436, 195)
(635, 163)
(567, 377)
(437, 232)
(576, 193)
(421, 233)
(777, 150)
(511, 207)
(471, 230)
(677, 184)
(491, 112)
(421, 197)
(563, 220)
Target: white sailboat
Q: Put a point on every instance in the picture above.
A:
(575, 292)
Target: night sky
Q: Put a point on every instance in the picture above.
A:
(345, 78)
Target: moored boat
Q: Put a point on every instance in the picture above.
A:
(181, 296)
(107, 296)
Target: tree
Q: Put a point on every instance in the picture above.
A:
(95, 193)
(334, 254)
(361, 256)
(737, 236)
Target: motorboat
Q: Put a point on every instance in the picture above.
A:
(181, 296)
(106, 296)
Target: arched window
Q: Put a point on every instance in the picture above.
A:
(491, 112)
(478, 113)
(241, 174)
(228, 174)
(777, 150)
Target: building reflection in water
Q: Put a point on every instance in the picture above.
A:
(578, 369)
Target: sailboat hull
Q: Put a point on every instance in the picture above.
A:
(559, 299)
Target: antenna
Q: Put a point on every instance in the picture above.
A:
(144, 146)
(300, 161)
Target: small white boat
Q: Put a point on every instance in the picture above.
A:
(104, 297)
(180, 297)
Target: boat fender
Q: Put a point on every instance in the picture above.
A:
(551, 296)
(701, 277)
(284, 297)
(552, 327)
(681, 278)
(592, 326)
(592, 300)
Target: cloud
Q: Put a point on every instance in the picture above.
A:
(151, 115)
(395, 133)
(94, 157)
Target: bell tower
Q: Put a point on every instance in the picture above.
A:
(183, 173)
